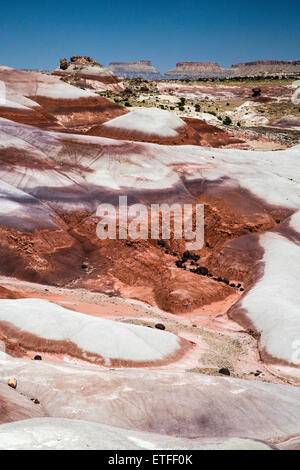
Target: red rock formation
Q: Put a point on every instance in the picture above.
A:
(45, 101)
(171, 131)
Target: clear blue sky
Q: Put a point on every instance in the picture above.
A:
(36, 34)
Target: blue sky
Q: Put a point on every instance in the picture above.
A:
(36, 34)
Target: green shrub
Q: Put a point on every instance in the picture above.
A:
(227, 121)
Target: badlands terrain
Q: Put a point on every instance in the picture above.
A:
(142, 344)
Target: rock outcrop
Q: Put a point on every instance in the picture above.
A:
(85, 72)
(141, 69)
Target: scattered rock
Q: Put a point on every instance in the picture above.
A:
(256, 92)
(63, 64)
(12, 382)
(224, 371)
(202, 270)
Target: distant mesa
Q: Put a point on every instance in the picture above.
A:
(185, 70)
(195, 70)
(266, 67)
(141, 69)
(85, 72)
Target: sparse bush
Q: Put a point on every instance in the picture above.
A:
(181, 108)
(227, 121)
(128, 104)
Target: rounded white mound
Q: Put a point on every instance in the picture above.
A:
(107, 338)
(296, 96)
(273, 303)
(60, 434)
(148, 121)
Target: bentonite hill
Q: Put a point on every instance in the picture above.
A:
(143, 343)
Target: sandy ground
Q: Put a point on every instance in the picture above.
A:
(218, 342)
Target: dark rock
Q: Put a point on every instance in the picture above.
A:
(37, 357)
(256, 92)
(202, 270)
(64, 64)
(224, 371)
(160, 326)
